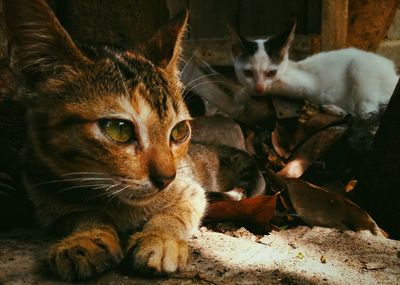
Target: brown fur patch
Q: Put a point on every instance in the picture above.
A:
(72, 167)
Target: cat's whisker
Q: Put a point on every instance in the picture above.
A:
(82, 173)
(111, 186)
(122, 80)
(186, 64)
(3, 185)
(101, 186)
(6, 176)
(71, 180)
(128, 180)
(105, 193)
(116, 192)
(78, 186)
(4, 194)
(199, 78)
(197, 85)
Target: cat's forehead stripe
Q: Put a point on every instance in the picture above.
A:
(143, 73)
(138, 71)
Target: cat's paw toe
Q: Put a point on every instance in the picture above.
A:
(85, 254)
(157, 253)
(333, 110)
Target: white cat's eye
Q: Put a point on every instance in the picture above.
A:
(271, 73)
(117, 130)
(180, 132)
(248, 72)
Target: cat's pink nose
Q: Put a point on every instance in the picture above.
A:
(260, 88)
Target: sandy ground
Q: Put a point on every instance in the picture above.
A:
(296, 256)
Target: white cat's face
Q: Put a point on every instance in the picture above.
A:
(259, 71)
(259, 64)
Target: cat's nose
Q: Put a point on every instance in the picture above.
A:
(259, 88)
(162, 180)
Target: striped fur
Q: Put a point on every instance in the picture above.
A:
(81, 183)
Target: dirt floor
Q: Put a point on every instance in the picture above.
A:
(296, 256)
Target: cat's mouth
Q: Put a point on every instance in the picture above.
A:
(136, 192)
(133, 191)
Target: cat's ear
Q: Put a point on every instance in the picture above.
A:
(39, 45)
(240, 45)
(278, 46)
(165, 47)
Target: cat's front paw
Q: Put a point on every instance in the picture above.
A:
(333, 110)
(157, 253)
(85, 254)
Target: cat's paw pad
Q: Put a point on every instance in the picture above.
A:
(85, 254)
(157, 253)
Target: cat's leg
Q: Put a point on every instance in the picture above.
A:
(162, 246)
(91, 247)
(364, 87)
(364, 107)
(365, 99)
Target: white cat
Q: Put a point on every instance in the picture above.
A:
(354, 80)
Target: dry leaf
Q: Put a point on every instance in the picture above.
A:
(249, 142)
(351, 185)
(287, 108)
(319, 207)
(256, 211)
(289, 134)
(218, 130)
(310, 151)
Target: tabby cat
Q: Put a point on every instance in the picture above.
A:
(107, 133)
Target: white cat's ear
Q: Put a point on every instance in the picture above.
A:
(236, 46)
(165, 47)
(39, 45)
(240, 45)
(278, 46)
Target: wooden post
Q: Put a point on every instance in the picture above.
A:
(369, 22)
(3, 34)
(334, 24)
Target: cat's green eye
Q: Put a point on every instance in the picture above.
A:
(248, 73)
(119, 131)
(180, 132)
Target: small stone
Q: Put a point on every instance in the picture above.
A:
(374, 265)
(203, 229)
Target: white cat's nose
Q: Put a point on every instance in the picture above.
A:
(260, 88)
